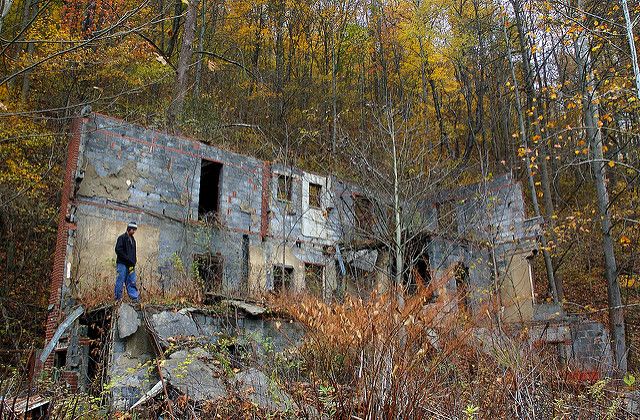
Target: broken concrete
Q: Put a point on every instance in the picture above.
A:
(249, 308)
(149, 395)
(262, 391)
(129, 377)
(170, 325)
(193, 373)
(128, 321)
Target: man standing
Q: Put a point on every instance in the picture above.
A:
(126, 263)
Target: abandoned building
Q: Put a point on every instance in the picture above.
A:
(242, 226)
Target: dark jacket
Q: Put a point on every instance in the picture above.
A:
(126, 250)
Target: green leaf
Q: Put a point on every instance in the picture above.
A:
(629, 379)
(185, 2)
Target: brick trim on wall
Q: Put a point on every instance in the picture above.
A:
(59, 257)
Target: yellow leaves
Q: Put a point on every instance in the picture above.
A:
(625, 241)
(522, 152)
(627, 281)
(611, 164)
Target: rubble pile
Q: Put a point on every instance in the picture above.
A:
(165, 357)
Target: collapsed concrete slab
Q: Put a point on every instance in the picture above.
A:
(169, 325)
(194, 373)
(262, 391)
(193, 367)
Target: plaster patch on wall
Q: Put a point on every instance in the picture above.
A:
(94, 256)
(114, 185)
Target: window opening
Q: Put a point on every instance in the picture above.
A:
(315, 195)
(60, 358)
(363, 209)
(282, 277)
(209, 195)
(461, 274)
(284, 187)
(314, 279)
(210, 270)
(420, 275)
(98, 326)
(245, 261)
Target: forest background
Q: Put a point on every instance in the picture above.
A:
(544, 89)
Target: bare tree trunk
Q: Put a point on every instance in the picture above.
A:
(399, 263)
(334, 90)
(279, 52)
(186, 50)
(532, 186)
(444, 137)
(5, 5)
(632, 45)
(542, 151)
(203, 27)
(175, 28)
(594, 137)
(26, 16)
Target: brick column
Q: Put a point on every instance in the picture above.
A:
(60, 255)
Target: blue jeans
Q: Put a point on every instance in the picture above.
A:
(128, 279)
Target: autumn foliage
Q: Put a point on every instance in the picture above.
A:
(298, 82)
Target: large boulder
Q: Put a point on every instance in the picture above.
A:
(128, 321)
(169, 324)
(262, 391)
(193, 373)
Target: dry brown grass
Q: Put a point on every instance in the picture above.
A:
(390, 357)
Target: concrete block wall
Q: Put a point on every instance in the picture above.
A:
(130, 173)
(133, 173)
(590, 346)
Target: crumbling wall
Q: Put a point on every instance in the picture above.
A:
(94, 256)
(590, 346)
(516, 289)
(135, 174)
(182, 336)
(129, 173)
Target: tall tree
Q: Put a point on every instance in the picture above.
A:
(184, 62)
(585, 63)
